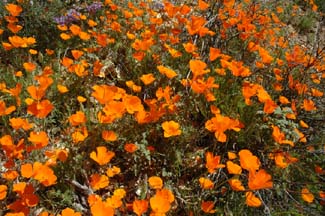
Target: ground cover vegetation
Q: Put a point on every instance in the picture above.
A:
(162, 107)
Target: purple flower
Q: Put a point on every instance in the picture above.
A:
(94, 7)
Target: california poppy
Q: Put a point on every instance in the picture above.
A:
(69, 212)
(39, 139)
(17, 123)
(208, 207)
(233, 168)
(147, 79)
(102, 156)
(198, 68)
(14, 9)
(155, 182)
(109, 135)
(40, 109)
(252, 200)
(212, 162)
(206, 183)
(140, 206)
(306, 195)
(130, 147)
(236, 184)
(248, 161)
(259, 180)
(75, 29)
(78, 118)
(77, 54)
(159, 204)
(171, 128)
(3, 191)
(98, 181)
(98, 207)
(203, 5)
(29, 66)
(166, 71)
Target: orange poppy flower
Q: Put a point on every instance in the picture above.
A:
(69, 212)
(214, 53)
(13, 9)
(232, 155)
(309, 105)
(3, 191)
(130, 147)
(84, 36)
(27, 198)
(75, 29)
(208, 207)
(109, 135)
(236, 184)
(17, 123)
(279, 136)
(167, 194)
(189, 47)
(65, 36)
(139, 55)
(316, 92)
(259, 180)
(132, 104)
(39, 139)
(76, 54)
(104, 93)
(14, 28)
(77, 119)
(37, 93)
(80, 70)
(159, 204)
(266, 57)
(198, 68)
(7, 46)
(212, 162)
(4, 110)
(98, 207)
(112, 171)
(203, 5)
(29, 66)
(233, 168)
(166, 71)
(219, 124)
(98, 181)
(44, 174)
(140, 206)
(133, 86)
(206, 183)
(79, 135)
(248, 161)
(252, 200)
(307, 196)
(40, 109)
(40, 172)
(284, 100)
(102, 156)
(66, 62)
(196, 26)
(147, 79)
(119, 193)
(49, 52)
(62, 89)
(155, 182)
(171, 128)
(17, 41)
(10, 175)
